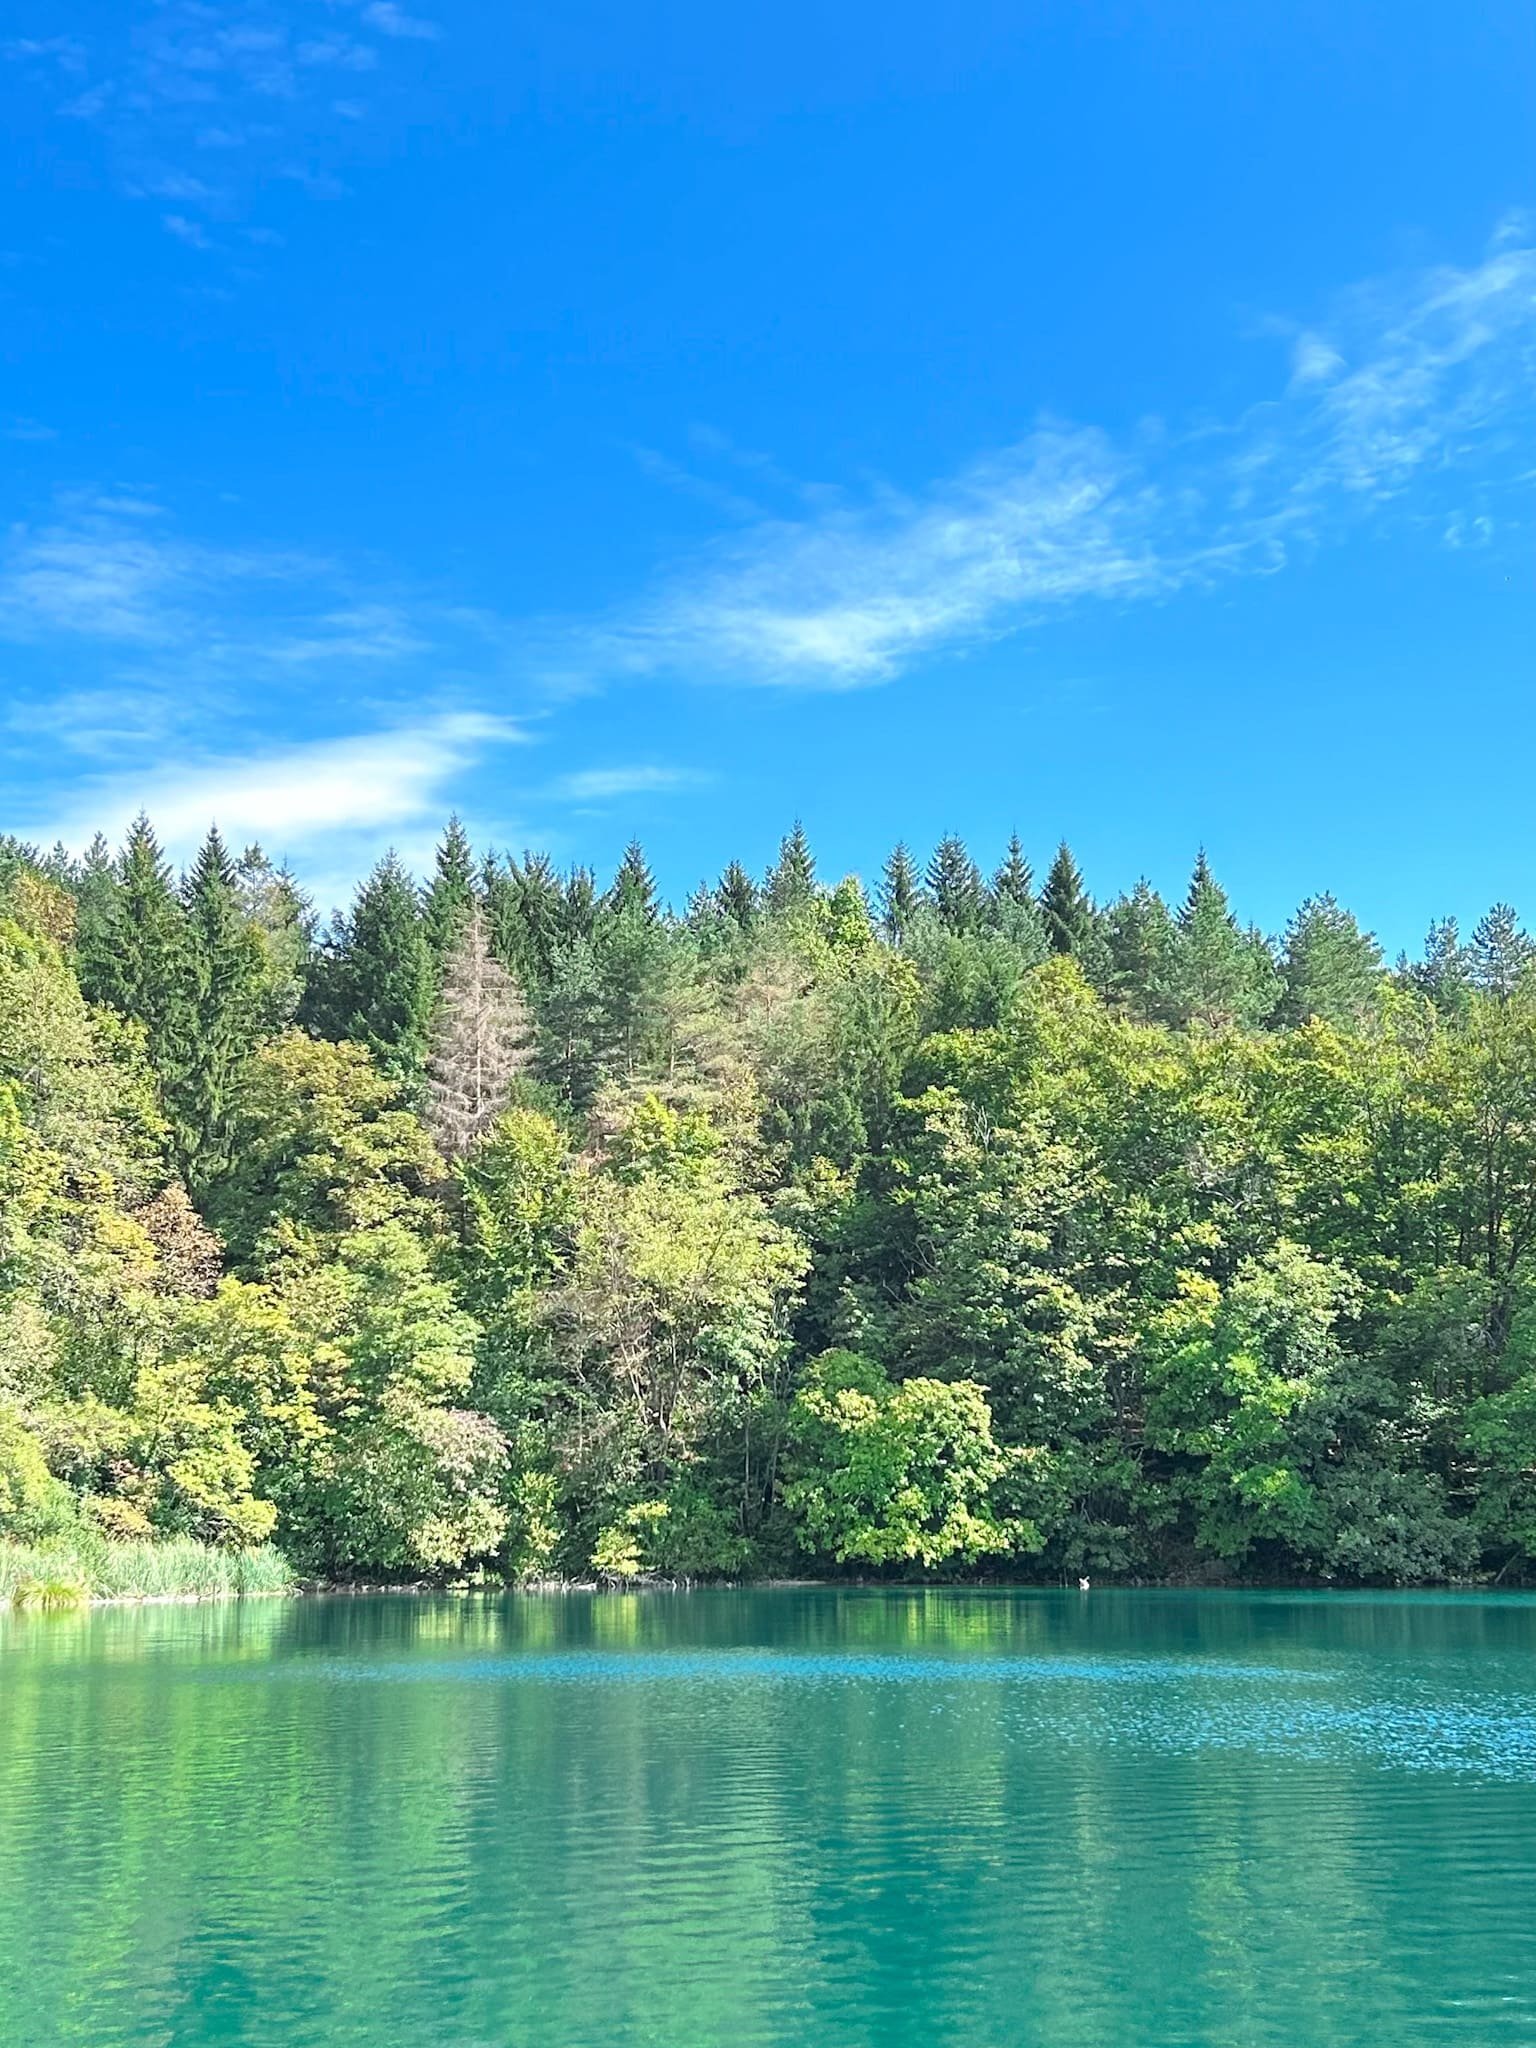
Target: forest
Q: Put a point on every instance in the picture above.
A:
(513, 1227)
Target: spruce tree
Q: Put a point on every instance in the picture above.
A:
(450, 896)
(98, 914)
(1141, 940)
(386, 983)
(1065, 905)
(1014, 881)
(574, 1042)
(791, 880)
(578, 904)
(1330, 968)
(481, 1041)
(224, 960)
(634, 886)
(540, 915)
(133, 950)
(900, 894)
(1223, 975)
(955, 887)
(736, 897)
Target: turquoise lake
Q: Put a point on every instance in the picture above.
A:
(821, 1817)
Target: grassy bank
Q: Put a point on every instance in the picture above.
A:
(71, 1574)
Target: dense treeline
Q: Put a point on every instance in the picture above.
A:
(519, 1225)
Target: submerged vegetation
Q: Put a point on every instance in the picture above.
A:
(516, 1226)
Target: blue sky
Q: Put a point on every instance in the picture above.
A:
(1110, 420)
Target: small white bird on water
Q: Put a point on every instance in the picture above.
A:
(1082, 1585)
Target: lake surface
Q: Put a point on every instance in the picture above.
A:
(829, 1817)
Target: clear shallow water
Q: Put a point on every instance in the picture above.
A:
(826, 1817)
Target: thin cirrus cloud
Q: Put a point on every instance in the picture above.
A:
(1425, 385)
(204, 107)
(604, 785)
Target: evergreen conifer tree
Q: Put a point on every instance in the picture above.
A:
(634, 886)
(481, 1041)
(736, 896)
(1329, 967)
(955, 887)
(385, 984)
(1444, 973)
(450, 896)
(223, 963)
(792, 878)
(1014, 881)
(1501, 954)
(1141, 940)
(900, 894)
(1065, 905)
(1223, 975)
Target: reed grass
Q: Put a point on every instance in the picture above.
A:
(71, 1573)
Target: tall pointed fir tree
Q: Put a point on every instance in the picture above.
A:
(1142, 943)
(578, 904)
(1223, 975)
(736, 897)
(791, 880)
(634, 886)
(132, 950)
(1014, 881)
(955, 887)
(450, 895)
(1065, 905)
(481, 1042)
(900, 894)
(224, 962)
(382, 976)
(97, 916)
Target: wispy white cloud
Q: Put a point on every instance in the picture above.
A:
(391, 20)
(1426, 383)
(167, 84)
(601, 785)
(305, 802)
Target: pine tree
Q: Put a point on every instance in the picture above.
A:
(792, 878)
(1444, 973)
(1065, 905)
(481, 1042)
(450, 897)
(1014, 881)
(385, 984)
(634, 886)
(1331, 969)
(1501, 954)
(955, 886)
(900, 894)
(736, 897)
